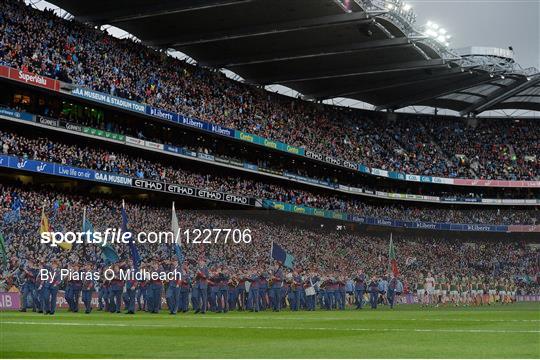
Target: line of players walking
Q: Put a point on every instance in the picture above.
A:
(464, 290)
(209, 290)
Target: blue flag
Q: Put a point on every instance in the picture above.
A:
(279, 254)
(132, 247)
(15, 214)
(109, 255)
(87, 226)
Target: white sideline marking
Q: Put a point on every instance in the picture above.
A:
(360, 319)
(265, 317)
(268, 327)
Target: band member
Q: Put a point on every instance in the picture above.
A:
(201, 287)
(275, 288)
(392, 288)
(173, 290)
(40, 297)
(223, 291)
(185, 284)
(68, 291)
(340, 293)
(154, 290)
(88, 288)
(253, 295)
(30, 274)
(360, 289)
(233, 293)
(263, 291)
(76, 287)
(373, 288)
(296, 290)
(213, 284)
(309, 289)
(241, 290)
(50, 288)
(115, 291)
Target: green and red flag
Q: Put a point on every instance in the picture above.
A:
(392, 258)
(3, 251)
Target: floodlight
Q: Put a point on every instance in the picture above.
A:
(406, 7)
(442, 31)
(441, 38)
(431, 33)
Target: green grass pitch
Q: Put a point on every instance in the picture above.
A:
(509, 331)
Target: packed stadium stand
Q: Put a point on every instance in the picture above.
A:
(88, 120)
(323, 251)
(84, 56)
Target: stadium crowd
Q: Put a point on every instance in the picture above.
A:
(333, 258)
(90, 117)
(43, 43)
(97, 158)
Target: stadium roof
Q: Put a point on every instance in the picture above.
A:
(320, 48)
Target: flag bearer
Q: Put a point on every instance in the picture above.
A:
(87, 290)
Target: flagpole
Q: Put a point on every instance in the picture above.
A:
(389, 250)
(173, 214)
(271, 251)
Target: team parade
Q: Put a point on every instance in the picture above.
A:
(220, 290)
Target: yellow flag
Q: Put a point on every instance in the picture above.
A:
(44, 226)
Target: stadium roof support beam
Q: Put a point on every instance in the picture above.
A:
(262, 30)
(366, 71)
(372, 70)
(430, 96)
(500, 95)
(288, 55)
(155, 9)
(353, 89)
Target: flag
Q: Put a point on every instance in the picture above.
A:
(108, 254)
(87, 226)
(15, 214)
(175, 229)
(44, 224)
(392, 265)
(132, 247)
(12, 216)
(3, 251)
(279, 254)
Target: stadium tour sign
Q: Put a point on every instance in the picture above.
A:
(117, 179)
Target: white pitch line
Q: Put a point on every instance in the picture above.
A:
(367, 319)
(277, 317)
(270, 327)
